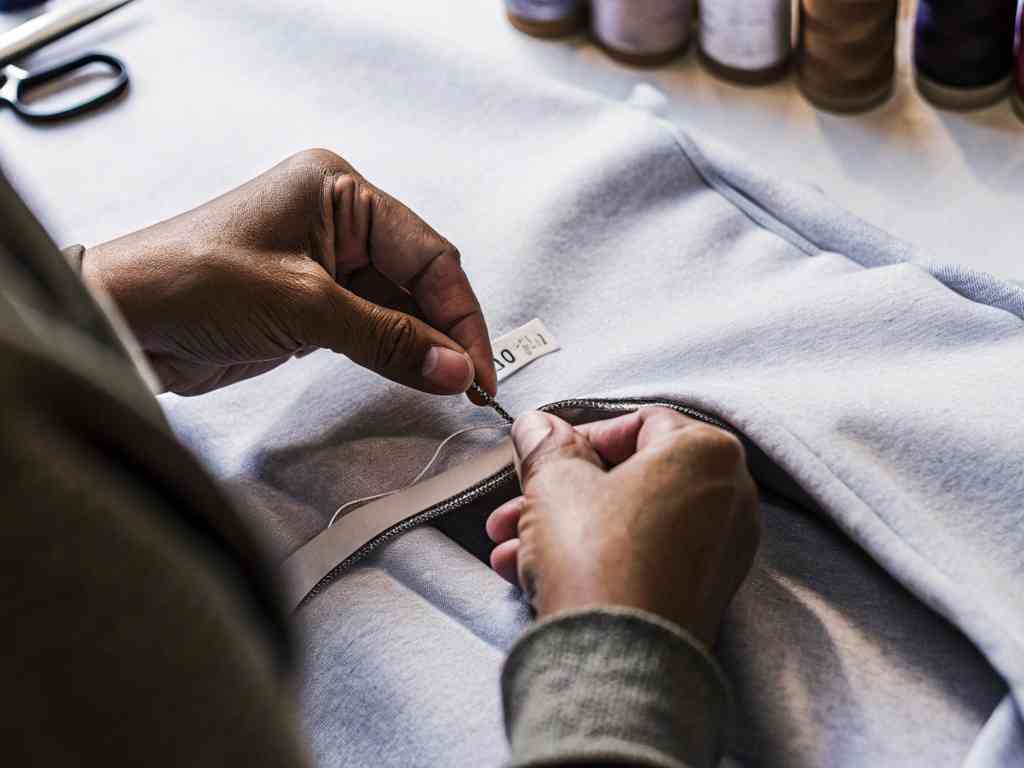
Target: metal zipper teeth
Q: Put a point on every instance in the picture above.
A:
(432, 513)
(496, 480)
(631, 404)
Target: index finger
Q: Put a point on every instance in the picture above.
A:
(616, 440)
(408, 251)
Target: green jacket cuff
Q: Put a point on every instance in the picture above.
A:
(74, 255)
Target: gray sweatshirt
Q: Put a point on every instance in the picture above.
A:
(142, 622)
(883, 623)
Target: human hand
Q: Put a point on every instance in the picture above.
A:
(307, 255)
(651, 510)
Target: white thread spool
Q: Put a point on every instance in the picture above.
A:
(546, 18)
(746, 40)
(644, 32)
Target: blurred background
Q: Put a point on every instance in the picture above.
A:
(950, 182)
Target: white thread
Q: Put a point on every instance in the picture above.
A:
(642, 26)
(746, 34)
(422, 472)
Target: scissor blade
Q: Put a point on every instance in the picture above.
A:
(47, 27)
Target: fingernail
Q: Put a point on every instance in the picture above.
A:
(528, 432)
(448, 370)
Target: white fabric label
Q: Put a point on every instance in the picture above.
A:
(746, 34)
(518, 349)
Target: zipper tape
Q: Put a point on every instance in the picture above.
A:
(317, 563)
(315, 560)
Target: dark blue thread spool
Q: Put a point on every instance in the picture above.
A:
(963, 51)
(1018, 52)
(18, 5)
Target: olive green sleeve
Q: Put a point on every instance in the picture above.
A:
(613, 687)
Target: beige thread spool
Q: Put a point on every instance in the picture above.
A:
(642, 32)
(748, 41)
(846, 53)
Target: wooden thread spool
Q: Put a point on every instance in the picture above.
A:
(748, 41)
(547, 18)
(642, 32)
(846, 53)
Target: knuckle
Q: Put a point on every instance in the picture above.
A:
(537, 464)
(309, 301)
(308, 171)
(450, 252)
(395, 339)
(548, 454)
(707, 450)
(320, 158)
(529, 518)
(323, 294)
(544, 467)
(663, 413)
(305, 281)
(346, 186)
(717, 444)
(383, 205)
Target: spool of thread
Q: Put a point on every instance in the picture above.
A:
(18, 5)
(846, 53)
(746, 40)
(547, 18)
(1018, 48)
(963, 51)
(642, 32)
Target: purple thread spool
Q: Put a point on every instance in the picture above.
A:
(546, 18)
(963, 51)
(642, 32)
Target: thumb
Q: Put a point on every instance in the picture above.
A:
(549, 454)
(398, 346)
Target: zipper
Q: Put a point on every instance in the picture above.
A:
(627, 404)
(497, 480)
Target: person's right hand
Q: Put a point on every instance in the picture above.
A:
(651, 510)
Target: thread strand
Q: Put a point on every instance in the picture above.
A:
(419, 476)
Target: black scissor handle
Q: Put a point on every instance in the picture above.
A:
(40, 77)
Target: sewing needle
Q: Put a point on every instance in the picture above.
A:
(490, 401)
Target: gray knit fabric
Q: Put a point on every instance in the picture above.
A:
(613, 687)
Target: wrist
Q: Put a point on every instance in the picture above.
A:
(90, 272)
(87, 266)
(107, 271)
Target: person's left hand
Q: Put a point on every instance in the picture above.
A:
(307, 255)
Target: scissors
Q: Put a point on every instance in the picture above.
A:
(16, 83)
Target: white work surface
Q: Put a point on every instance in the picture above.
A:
(952, 184)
